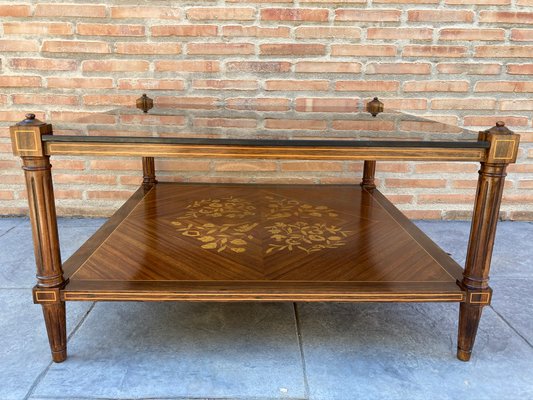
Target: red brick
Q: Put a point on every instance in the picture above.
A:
(38, 28)
(436, 86)
(17, 116)
(446, 167)
(3, 101)
(294, 14)
(328, 67)
(479, 2)
(115, 66)
(15, 10)
(318, 166)
(520, 35)
(259, 66)
(336, 104)
(318, 85)
(434, 51)
(187, 66)
(110, 30)
(333, 2)
(45, 64)
(490, 120)
(293, 49)
(469, 68)
(184, 30)
(109, 99)
(367, 86)
(255, 31)
(151, 84)
(327, 32)
(398, 68)
(89, 179)
(221, 14)
(147, 48)
(442, 198)
(407, 1)
(298, 124)
(224, 84)
(358, 125)
(18, 45)
(6, 195)
(148, 119)
(186, 102)
(182, 165)
(108, 194)
(422, 214)
(258, 104)
(245, 166)
(521, 216)
(524, 3)
(74, 46)
(357, 15)
(400, 33)
(20, 81)
(440, 16)
(212, 122)
(55, 99)
(471, 34)
(520, 69)
(504, 86)
(521, 51)
(220, 48)
(463, 104)
(70, 10)
(80, 83)
(82, 117)
(145, 12)
(415, 183)
(116, 165)
(506, 17)
(516, 105)
(363, 50)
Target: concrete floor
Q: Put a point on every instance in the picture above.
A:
(260, 351)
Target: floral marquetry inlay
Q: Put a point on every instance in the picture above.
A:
(229, 224)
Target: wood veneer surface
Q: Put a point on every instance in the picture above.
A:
(329, 235)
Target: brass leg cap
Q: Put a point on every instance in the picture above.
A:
(463, 355)
(59, 356)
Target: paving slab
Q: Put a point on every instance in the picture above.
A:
(407, 351)
(6, 224)
(17, 263)
(25, 353)
(197, 350)
(512, 300)
(513, 253)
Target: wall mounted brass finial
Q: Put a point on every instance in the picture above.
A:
(30, 120)
(144, 103)
(374, 107)
(500, 128)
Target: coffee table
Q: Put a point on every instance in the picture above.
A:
(260, 242)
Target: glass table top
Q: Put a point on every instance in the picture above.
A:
(242, 121)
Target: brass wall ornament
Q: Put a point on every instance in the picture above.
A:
(144, 103)
(375, 107)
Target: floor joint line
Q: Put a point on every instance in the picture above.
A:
(47, 368)
(300, 346)
(512, 327)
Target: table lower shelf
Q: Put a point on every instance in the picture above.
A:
(222, 242)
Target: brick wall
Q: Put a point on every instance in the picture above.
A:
(461, 61)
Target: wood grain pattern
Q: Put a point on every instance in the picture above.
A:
(379, 251)
(265, 152)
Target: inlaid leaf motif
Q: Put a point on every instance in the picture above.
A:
(309, 234)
